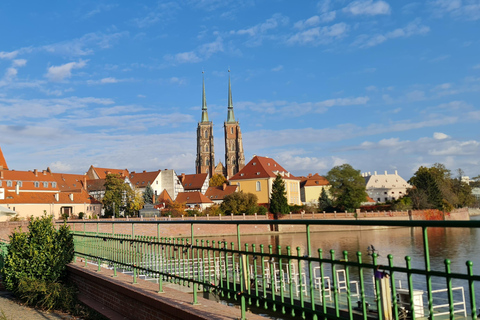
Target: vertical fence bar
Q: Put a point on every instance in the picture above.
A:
(362, 286)
(347, 279)
(272, 278)
(264, 278)
(471, 287)
(449, 289)
(427, 268)
(410, 285)
(310, 272)
(299, 262)
(282, 279)
(322, 282)
(334, 284)
(392, 285)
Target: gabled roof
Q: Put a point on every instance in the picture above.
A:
(194, 197)
(101, 173)
(193, 181)
(142, 179)
(69, 182)
(218, 193)
(313, 181)
(385, 181)
(3, 163)
(164, 197)
(262, 167)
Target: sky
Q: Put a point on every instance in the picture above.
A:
(380, 85)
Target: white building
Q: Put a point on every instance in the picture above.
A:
(384, 187)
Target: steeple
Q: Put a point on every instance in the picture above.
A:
(204, 102)
(230, 116)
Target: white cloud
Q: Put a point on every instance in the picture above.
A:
(261, 28)
(440, 136)
(8, 55)
(413, 28)
(319, 35)
(109, 80)
(187, 57)
(85, 44)
(310, 22)
(476, 66)
(367, 7)
(19, 62)
(62, 72)
(469, 9)
(199, 54)
(277, 68)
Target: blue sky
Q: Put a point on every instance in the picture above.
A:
(381, 85)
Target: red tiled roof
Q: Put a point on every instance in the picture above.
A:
(69, 182)
(3, 163)
(102, 172)
(142, 179)
(218, 193)
(47, 197)
(30, 180)
(164, 197)
(314, 180)
(193, 181)
(192, 198)
(96, 185)
(262, 167)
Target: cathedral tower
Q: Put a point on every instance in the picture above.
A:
(234, 157)
(205, 162)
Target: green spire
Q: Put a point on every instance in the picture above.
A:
(230, 116)
(204, 102)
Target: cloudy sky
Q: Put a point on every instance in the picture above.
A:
(381, 85)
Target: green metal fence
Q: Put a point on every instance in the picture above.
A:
(286, 281)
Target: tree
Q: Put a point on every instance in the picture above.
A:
(118, 194)
(426, 193)
(324, 202)
(278, 198)
(148, 194)
(239, 202)
(347, 187)
(134, 202)
(217, 180)
(35, 265)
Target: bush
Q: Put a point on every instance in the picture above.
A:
(81, 214)
(261, 210)
(39, 255)
(46, 295)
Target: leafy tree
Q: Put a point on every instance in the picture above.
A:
(148, 194)
(347, 187)
(426, 193)
(324, 202)
(278, 198)
(475, 182)
(134, 202)
(239, 203)
(217, 180)
(40, 255)
(213, 210)
(175, 209)
(118, 195)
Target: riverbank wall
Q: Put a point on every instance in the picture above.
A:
(109, 226)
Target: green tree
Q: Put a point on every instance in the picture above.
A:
(118, 194)
(324, 202)
(347, 187)
(278, 198)
(217, 180)
(134, 202)
(426, 193)
(39, 255)
(148, 194)
(239, 202)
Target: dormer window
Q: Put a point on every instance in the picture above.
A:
(254, 163)
(37, 184)
(45, 184)
(258, 173)
(19, 183)
(9, 183)
(54, 184)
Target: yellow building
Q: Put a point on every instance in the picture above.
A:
(257, 177)
(311, 188)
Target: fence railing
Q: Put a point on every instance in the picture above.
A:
(289, 281)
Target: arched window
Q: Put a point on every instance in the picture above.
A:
(259, 186)
(231, 130)
(206, 133)
(207, 162)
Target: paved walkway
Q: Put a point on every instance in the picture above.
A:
(11, 310)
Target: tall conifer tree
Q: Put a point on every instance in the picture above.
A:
(278, 199)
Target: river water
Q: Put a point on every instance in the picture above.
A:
(456, 244)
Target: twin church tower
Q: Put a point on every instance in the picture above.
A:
(234, 157)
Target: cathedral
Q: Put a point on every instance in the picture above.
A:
(234, 157)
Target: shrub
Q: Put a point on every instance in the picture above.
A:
(261, 210)
(81, 214)
(41, 254)
(46, 295)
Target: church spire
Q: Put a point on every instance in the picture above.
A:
(204, 102)
(230, 116)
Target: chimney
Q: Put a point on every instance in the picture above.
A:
(144, 171)
(56, 197)
(71, 196)
(44, 172)
(85, 183)
(396, 173)
(385, 172)
(374, 173)
(224, 186)
(17, 188)
(35, 172)
(1, 174)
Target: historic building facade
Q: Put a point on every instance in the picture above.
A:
(234, 155)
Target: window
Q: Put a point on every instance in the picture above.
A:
(231, 130)
(19, 183)
(54, 184)
(9, 183)
(259, 186)
(45, 184)
(206, 133)
(385, 192)
(37, 184)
